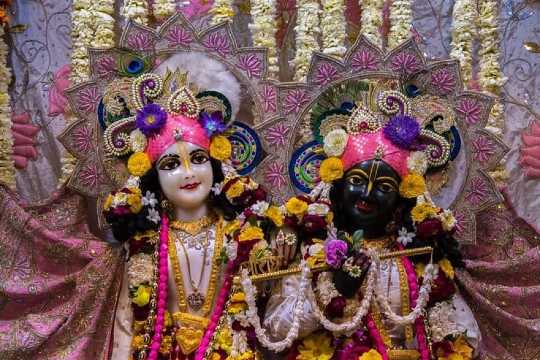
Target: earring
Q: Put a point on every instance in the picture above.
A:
(166, 206)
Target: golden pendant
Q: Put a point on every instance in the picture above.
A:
(190, 332)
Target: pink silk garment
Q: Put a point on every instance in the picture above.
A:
(58, 282)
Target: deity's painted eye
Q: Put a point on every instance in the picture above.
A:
(169, 162)
(386, 187)
(356, 180)
(199, 157)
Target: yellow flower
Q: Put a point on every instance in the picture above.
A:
(419, 269)
(235, 190)
(134, 202)
(108, 202)
(318, 258)
(412, 185)
(215, 356)
(220, 148)
(251, 232)
(142, 295)
(422, 211)
(166, 345)
(461, 347)
(231, 227)
(315, 347)
(238, 297)
(447, 268)
(235, 308)
(274, 214)
(371, 355)
(224, 340)
(248, 355)
(137, 342)
(296, 206)
(138, 164)
(331, 169)
(329, 218)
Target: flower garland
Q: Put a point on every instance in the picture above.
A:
(162, 9)
(92, 25)
(400, 22)
(263, 30)
(253, 317)
(7, 168)
(222, 11)
(463, 31)
(333, 26)
(372, 20)
(307, 30)
(136, 10)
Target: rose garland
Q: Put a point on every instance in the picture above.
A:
(333, 26)
(372, 20)
(222, 11)
(162, 9)
(136, 10)
(400, 22)
(92, 26)
(7, 168)
(307, 30)
(462, 36)
(263, 30)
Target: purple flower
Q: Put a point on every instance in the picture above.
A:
(335, 252)
(150, 119)
(402, 131)
(212, 123)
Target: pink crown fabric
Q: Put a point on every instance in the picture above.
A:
(177, 128)
(365, 146)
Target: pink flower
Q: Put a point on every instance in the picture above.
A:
(335, 251)
(57, 99)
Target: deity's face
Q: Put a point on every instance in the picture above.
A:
(185, 175)
(369, 196)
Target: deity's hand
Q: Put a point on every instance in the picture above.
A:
(284, 245)
(352, 274)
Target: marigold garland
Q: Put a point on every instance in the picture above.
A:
(7, 167)
(263, 30)
(400, 22)
(92, 25)
(333, 27)
(136, 10)
(372, 20)
(307, 30)
(463, 31)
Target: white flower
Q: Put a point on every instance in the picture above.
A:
(153, 215)
(335, 142)
(216, 189)
(149, 199)
(119, 199)
(318, 209)
(325, 289)
(133, 182)
(442, 321)
(315, 249)
(137, 140)
(417, 162)
(448, 220)
(405, 237)
(231, 249)
(260, 207)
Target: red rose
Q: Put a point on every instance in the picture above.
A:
(442, 289)
(313, 223)
(429, 228)
(442, 348)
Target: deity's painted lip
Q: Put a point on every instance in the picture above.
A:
(190, 186)
(364, 206)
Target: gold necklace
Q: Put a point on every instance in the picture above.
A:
(193, 227)
(196, 298)
(178, 278)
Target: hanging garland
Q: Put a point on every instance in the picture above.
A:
(333, 26)
(136, 10)
(91, 26)
(400, 22)
(7, 168)
(307, 30)
(463, 31)
(372, 20)
(222, 11)
(263, 30)
(162, 9)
